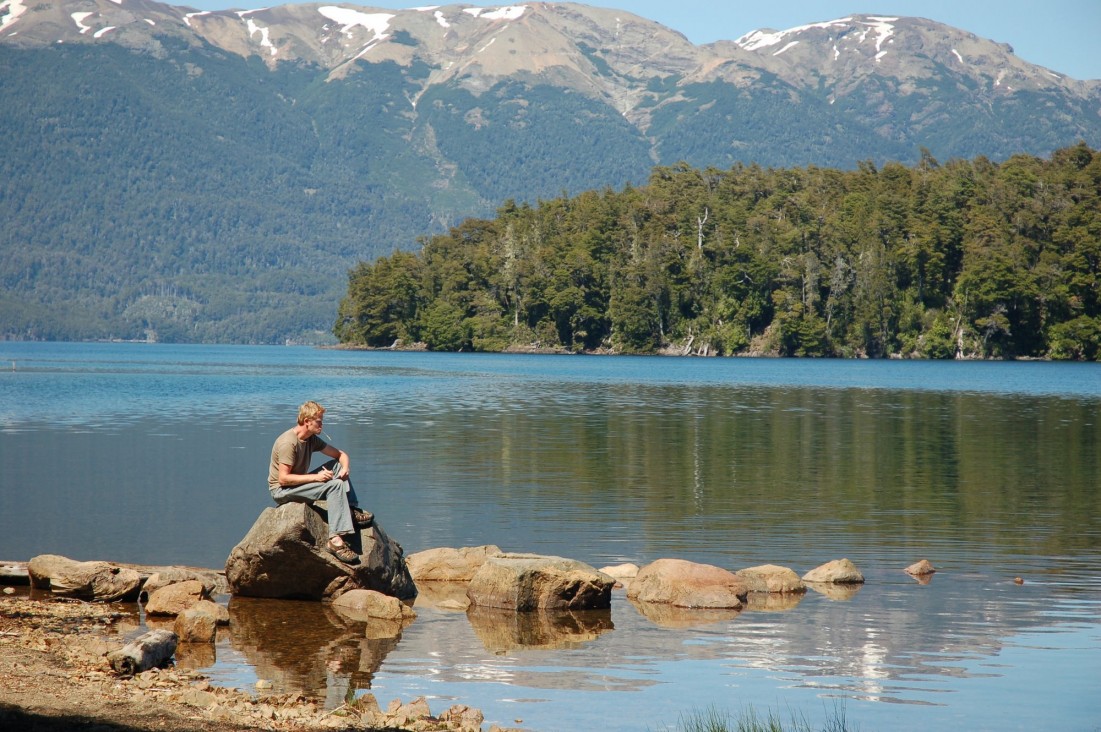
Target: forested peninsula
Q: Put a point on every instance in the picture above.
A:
(965, 259)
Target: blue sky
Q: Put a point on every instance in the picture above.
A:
(1063, 35)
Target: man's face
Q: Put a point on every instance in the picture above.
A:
(315, 424)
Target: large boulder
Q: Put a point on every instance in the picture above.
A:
(525, 582)
(449, 565)
(284, 556)
(97, 581)
(687, 584)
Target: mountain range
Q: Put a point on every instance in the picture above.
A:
(179, 175)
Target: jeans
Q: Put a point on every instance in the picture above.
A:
(338, 494)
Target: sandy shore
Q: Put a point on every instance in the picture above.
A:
(54, 677)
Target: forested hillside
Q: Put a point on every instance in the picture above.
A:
(971, 259)
(185, 176)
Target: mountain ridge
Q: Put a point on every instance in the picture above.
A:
(217, 154)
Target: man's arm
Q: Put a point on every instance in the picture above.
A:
(345, 461)
(288, 479)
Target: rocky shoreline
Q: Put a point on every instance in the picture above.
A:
(63, 635)
(54, 677)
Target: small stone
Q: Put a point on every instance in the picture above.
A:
(263, 684)
(921, 568)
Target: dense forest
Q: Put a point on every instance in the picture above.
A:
(966, 259)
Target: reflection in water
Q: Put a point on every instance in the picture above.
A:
(839, 592)
(307, 647)
(773, 602)
(669, 616)
(990, 470)
(502, 631)
(442, 596)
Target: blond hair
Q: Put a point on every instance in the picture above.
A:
(310, 410)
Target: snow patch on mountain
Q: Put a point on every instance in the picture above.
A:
(79, 19)
(189, 16)
(789, 45)
(10, 10)
(512, 12)
(758, 39)
(441, 19)
(377, 23)
(265, 39)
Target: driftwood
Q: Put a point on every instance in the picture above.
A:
(153, 649)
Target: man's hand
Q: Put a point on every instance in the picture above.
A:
(324, 475)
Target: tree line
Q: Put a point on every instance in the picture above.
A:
(969, 259)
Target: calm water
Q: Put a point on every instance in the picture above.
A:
(158, 454)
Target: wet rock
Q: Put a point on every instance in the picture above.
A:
(463, 718)
(175, 598)
(837, 572)
(449, 565)
(366, 604)
(96, 581)
(196, 625)
(525, 582)
(621, 573)
(283, 556)
(688, 584)
(771, 578)
(172, 575)
(921, 568)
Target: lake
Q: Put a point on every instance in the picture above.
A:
(157, 454)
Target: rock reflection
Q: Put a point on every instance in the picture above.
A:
(839, 592)
(773, 602)
(195, 655)
(668, 616)
(308, 648)
(504, 630)
(442, 595)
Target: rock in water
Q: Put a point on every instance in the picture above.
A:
(283, 556)
(524, 582)
(99, 581)
(687, 584)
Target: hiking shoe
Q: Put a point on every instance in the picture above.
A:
(362, 519)
(343, 552)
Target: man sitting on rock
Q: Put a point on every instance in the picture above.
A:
(289, 479)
